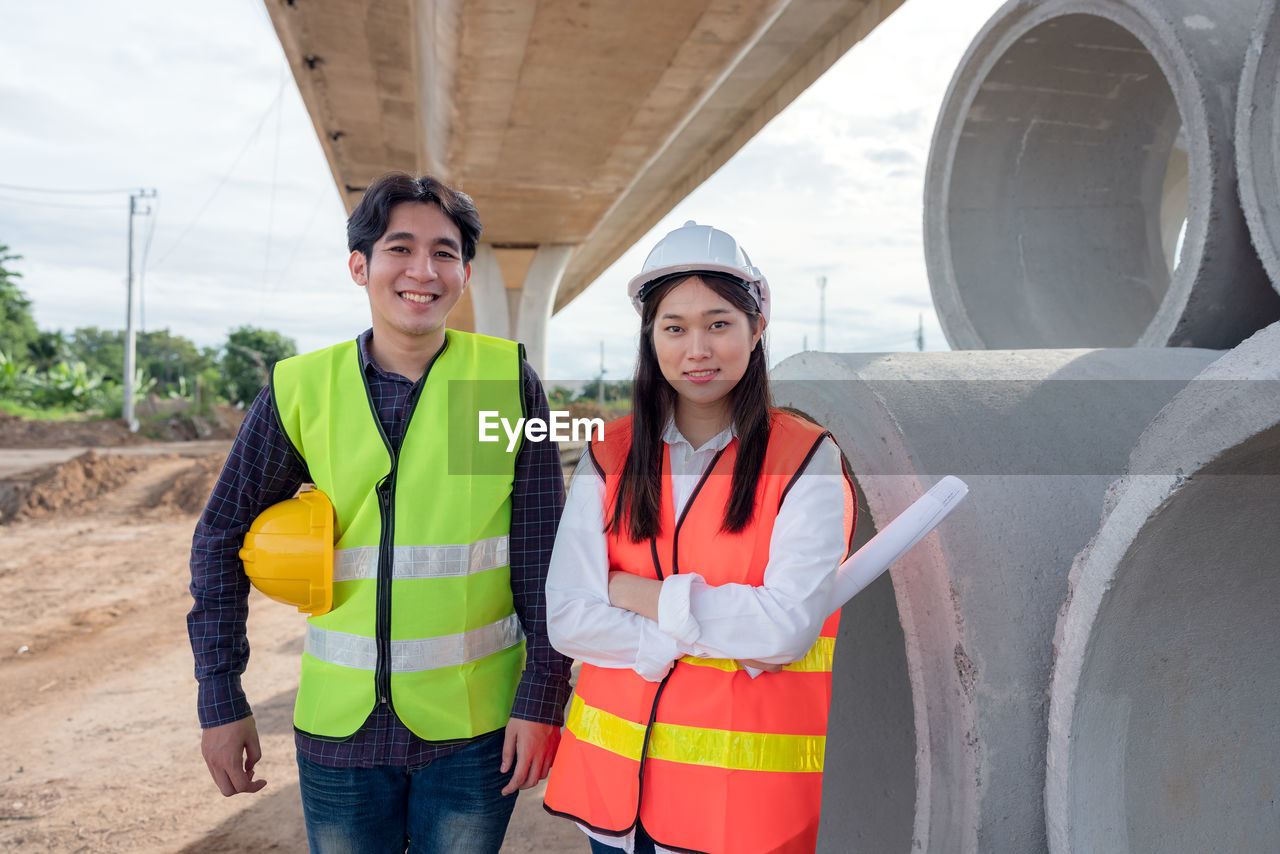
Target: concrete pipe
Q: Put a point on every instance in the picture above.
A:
(937, 734)
(1081, 186)
(1163, 719)
(1257, 129)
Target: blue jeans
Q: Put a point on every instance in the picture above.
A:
(644, 845)
(452, 805)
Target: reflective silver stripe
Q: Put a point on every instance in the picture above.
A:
(411, 656)
(422, 561)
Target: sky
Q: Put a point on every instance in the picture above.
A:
(195, 100)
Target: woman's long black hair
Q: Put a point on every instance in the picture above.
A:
(653, 403)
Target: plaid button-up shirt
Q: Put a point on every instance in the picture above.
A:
(261, 470)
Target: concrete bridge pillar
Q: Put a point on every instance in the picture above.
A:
(537, 297)
(521, 313)
(489, 294)
(939, 715)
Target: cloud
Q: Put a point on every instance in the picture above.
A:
(890, 156)
(46, 117)
(871, 126)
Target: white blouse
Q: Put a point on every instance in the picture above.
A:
(776, 622)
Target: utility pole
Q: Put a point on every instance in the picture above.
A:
(822, 314)
(920, 334)
(130, 334)
(600, 388)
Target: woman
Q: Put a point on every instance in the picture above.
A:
(691, 575)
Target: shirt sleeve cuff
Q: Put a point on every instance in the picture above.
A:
(221, 700)
(674, 617)
(655, 654)
(541, 698)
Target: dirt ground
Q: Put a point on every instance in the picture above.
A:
(99, 748)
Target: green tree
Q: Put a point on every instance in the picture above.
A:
(247, 360)
(613, 391)
(102, 350)
(172, 361)
(17, 326)
(48, 349)
(559, 397)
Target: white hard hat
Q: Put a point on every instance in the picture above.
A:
(694, 248)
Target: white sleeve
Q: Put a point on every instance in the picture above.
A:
(778, 621)
(580, 621)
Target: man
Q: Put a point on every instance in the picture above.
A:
(414, 720)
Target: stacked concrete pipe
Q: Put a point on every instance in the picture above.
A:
(938, 727)
(1164, 722)
(1257, 132)
(1075, 138)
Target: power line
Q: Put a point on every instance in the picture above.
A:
(60, 190)
(306, 230)
(97, 207)
(243, 150)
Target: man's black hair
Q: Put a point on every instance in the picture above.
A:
(368, 222)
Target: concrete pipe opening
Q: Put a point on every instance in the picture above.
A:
(1075, 194)
(969, 617)
(1257, 129)
(1163, 720)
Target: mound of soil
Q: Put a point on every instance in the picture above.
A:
(64, 487)
(185, 426)
(173, 422)
(188, 492)
(18, 432)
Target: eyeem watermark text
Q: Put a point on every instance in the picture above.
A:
(560, 428)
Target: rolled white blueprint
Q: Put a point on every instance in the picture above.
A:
(892, 542)
(895, 539)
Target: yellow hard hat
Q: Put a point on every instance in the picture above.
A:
(288, 552)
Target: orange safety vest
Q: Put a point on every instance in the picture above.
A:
(708, 759)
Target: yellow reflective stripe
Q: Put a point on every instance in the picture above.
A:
(817, 660)
(598, 727)
(718, 748)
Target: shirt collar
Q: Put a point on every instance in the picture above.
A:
(672, 436)
(369, 366)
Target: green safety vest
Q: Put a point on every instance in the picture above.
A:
(422, 612)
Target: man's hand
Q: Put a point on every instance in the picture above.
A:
(231, 751)
(530, 747)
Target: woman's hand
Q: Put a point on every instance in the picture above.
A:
(635, 594)
(760, 665)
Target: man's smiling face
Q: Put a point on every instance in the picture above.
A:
(414, 274)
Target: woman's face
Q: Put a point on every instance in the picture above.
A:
(703, 343)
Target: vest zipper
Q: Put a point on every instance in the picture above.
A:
(675, 568)
(657, 565)
(386, 490)
(386, 553)
(644, 746)
(675, 538)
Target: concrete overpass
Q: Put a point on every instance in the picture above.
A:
(574, 124)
